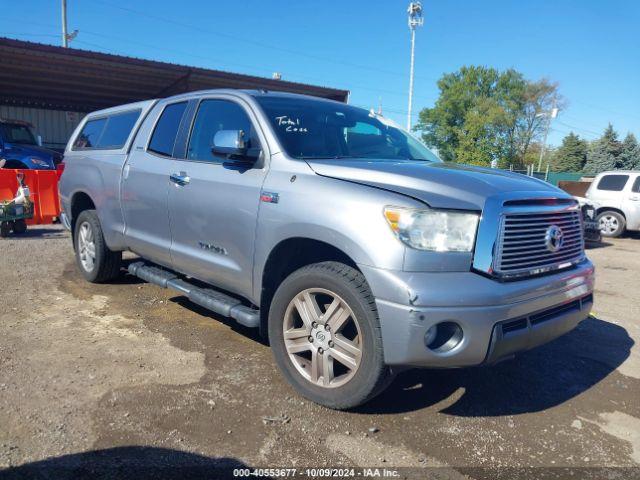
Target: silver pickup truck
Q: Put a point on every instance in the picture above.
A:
(352, 248)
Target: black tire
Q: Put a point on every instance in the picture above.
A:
(19, 226)
(372, 375)
(617, 219)
(107, 262)
(5, 229)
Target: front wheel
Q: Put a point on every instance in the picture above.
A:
(19, 227)
(325, 335)
(611, 223)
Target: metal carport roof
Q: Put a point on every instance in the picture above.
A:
(46, 76)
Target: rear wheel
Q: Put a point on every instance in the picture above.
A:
(5, 229)
(96, 261)
(325, 335)
(612, 224)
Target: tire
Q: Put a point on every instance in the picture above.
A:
(19, 227)
(327, 284)
(105, 264)
(612, 224)
(5, 229)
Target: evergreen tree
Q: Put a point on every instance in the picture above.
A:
(571, 156)
(604, 153)
(630, 155)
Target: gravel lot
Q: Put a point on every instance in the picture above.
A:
(131, 375)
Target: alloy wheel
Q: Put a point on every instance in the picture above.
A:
(322, 337)
(86, 247)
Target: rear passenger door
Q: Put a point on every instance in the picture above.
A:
(145, 183)
(214, 211)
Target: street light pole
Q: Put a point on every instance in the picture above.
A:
(415, 20)
(550, 116)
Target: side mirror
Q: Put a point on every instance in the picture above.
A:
(232, 143)
(39, 140)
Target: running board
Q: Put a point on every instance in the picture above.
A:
(208, 298)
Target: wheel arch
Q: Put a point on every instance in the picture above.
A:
(610, 209)
(288, 256)
(80, 201)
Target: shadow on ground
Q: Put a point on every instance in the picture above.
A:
(39, 233)
(536, 380)
(133, 462)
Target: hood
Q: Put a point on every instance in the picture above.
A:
(439, 185)
(23, 153)
(36, 150)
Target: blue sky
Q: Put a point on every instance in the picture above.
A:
(590, 47)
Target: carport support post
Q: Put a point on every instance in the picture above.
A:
(65, 38)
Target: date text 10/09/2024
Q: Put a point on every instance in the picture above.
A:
(317, 472)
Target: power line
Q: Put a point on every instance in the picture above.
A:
(207, 58)
(192, 27)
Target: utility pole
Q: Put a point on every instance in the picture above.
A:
(415, 20)
(65, 36)
(550, 116)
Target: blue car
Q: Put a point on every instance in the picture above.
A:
(20, 149)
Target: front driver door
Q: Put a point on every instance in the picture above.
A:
(214, 202)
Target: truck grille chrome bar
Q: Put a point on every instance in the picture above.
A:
(530, 243)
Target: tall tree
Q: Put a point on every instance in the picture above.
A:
(629, 158)
(540, 98)
(483, 114)
(572, 154)
(604, 153)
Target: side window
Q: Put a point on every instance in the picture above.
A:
(90, 134)
(117, 130)
(166, 130)
(613, 183)
(213, 116)
(636, 185)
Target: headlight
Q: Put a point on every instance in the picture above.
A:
(436, 230)
(40, 163)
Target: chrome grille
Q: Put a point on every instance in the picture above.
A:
(524, 250)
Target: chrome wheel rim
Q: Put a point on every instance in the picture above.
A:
(609, 224)
(86, 247)
(322, 337)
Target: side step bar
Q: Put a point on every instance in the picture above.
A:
(210, 299)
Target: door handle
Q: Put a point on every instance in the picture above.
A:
(180, 178)
(635, 198)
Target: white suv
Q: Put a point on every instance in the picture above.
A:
(617, 195)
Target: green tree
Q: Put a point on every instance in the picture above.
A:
(604, 153)
(571, 156)
(629, 158)
(483, 114)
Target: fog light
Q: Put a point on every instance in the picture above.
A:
(443, 337)
(430, 335)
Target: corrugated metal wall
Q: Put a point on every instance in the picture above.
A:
(55, 126)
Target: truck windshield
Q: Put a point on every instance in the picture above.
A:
(17, 133)
(318, 129)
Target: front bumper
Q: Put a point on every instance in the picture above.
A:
(498, 319)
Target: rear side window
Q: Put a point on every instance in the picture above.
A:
(107, 133)
(613, 183)
(117, 130)
(636, 185)
(90, 134)
(166, 130)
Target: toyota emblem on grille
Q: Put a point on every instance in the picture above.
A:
(554, 238)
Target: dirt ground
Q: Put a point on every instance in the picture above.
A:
(135, 375)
